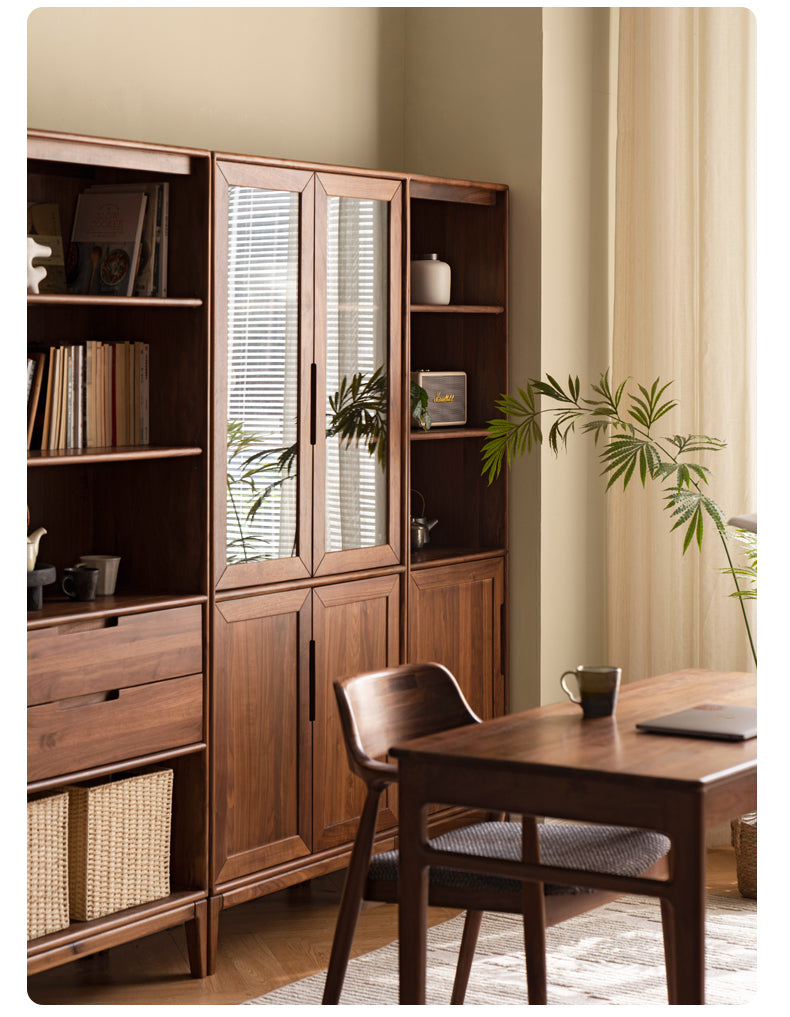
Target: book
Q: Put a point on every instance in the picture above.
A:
(105, 243)
(145, 436)
(49, 407)
(89, 394)
(34, 385)
(146, 283)
(43, 225)
(162, 242)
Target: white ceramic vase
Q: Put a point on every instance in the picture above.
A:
(430, 280)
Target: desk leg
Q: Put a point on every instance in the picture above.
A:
(684, 913)
(412, 896)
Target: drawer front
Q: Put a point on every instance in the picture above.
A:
(113, 653)
(106, 727)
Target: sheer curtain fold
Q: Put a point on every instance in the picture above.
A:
(683, 310)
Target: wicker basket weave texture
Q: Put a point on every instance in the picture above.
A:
(119, 844)
(744, 840)
(47, 865)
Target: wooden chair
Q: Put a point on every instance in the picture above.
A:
(380, 709)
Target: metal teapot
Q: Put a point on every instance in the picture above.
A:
(421, 528)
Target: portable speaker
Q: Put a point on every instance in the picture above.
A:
(446, 396)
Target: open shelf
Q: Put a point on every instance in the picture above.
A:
(82, 456)
(72, 299)
(458, 308)
(450, 555)
(82, 938)
(61, 610)
(417, 434)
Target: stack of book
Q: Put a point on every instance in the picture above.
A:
(119, 241)
(89, 395)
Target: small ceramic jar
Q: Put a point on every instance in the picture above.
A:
(430, 280)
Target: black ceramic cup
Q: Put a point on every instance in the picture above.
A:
(80, 581)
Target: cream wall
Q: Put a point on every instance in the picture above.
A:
(473, 109)
(576, 261)
(320, 84)
(535, 114)
(513, 95)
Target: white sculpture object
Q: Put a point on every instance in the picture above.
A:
(35, 273)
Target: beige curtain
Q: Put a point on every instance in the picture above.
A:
(683, 310)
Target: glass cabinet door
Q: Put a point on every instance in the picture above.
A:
(357, 351)
(264, 330)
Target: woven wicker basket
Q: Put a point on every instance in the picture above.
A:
(744, 840)
(47, 865)
(119, 843)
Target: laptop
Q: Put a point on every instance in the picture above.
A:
(709, 720)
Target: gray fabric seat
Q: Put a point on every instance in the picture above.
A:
(614, 850)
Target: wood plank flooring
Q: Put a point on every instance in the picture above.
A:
(262, 945)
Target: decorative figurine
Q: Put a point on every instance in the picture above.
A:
(35, 273)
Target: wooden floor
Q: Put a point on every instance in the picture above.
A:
(262, 945)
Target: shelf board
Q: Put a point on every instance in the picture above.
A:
(458, 308)
(66, 299)
(451, 555)
(66, 457)
(119, 766)
(61, 610)
(439, 433)
(80, 938)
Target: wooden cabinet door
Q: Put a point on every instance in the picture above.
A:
(356, 628)
(455, 619)
(261, 732)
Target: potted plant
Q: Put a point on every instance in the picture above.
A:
(624, 423)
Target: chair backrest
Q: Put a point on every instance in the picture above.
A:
(379, 709)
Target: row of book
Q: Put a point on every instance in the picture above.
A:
(88, 395)
(119, 241)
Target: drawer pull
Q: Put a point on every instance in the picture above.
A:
(92, 625)
(89, 700)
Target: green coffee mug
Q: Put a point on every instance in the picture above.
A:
(598, 688)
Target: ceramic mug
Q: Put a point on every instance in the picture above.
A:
(107, 564)
(79, 582)
(598, 688)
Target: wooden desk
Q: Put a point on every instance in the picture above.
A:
(550, 762)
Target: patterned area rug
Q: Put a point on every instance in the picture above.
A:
(612, 955)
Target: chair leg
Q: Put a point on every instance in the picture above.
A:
(466, 955)
(351, 901)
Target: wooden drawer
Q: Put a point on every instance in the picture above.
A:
(113, 653)
(106, 727)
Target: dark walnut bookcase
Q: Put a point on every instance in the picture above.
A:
(262, 796)
(130, 667)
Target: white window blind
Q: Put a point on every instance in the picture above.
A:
(263, 338)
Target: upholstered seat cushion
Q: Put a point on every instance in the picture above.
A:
(617, 850)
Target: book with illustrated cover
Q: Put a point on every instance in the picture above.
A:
(146, 283)
(105, 243)
(43, 225)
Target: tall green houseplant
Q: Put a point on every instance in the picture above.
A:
(624, 422)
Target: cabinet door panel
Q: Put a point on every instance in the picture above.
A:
(264, 329)
(261, 736)
(455, 619)
(357, 350)
(355, 629)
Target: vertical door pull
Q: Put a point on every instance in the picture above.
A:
(312, 680)
(313, 391)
